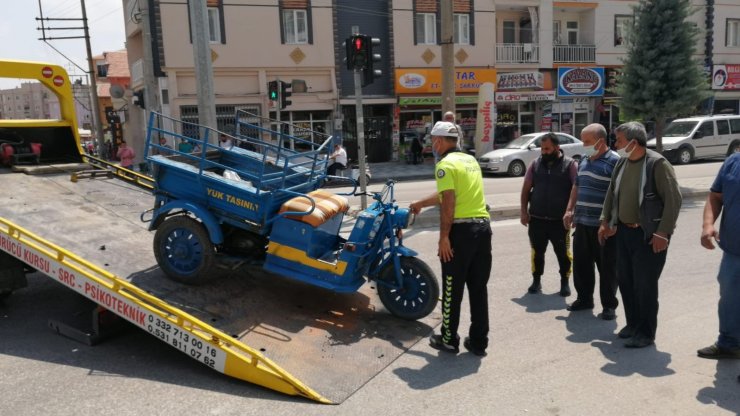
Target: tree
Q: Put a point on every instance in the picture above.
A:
(661, 77)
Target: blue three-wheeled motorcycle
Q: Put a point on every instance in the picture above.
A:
(257, 199)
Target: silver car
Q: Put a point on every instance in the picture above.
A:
(514, 158)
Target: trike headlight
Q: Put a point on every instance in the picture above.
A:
(401, 217)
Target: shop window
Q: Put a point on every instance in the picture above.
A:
(733, 33)
(426, 28)
(622, 26)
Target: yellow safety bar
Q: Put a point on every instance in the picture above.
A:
(133, 177)
(179, 329)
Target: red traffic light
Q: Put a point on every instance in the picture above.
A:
(358, 44)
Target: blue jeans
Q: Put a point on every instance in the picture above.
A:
(729, 301)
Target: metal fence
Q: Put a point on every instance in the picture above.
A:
(574, 53)
(515, 53)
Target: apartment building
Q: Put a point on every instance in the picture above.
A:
(553, 63)
(32, 100)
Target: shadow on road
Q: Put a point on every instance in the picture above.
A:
(724, 392)
(440, 369)
(648, 361)
(538, 303)
(585, 327)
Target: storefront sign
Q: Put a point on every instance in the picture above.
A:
(726, 77)
(505, 97)
(517, 80)
(486, 120)
(426, 81)
(580, 81)
(466, 99)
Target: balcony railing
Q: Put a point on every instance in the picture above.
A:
(137, 71)
(574, 53)
(517, 53)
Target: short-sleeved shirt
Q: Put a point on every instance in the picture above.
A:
(727, 183)
(592, 183)
(460, 172)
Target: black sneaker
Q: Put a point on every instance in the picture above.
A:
(608, 314)
(564, 288)
(536, 286)
(580, 305)
(436, 342)
(626, 332)
(638, 341)
(475, 351)
(715, 352)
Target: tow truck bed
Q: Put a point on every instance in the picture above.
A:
(331, 343)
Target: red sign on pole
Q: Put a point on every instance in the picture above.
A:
(58, 80)
(47, 72)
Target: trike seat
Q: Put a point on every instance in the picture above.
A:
(327, 206)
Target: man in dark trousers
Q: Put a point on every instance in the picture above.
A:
(641, 207)
(544, 198)
(724, 197)
(584, 211)
(464, 241)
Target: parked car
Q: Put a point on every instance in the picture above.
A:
(519, 153)
(687, 139)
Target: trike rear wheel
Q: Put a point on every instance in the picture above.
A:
(184, 251)
(419, 294)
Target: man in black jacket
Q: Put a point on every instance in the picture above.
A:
(544, 198)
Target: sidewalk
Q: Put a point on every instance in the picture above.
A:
(502, 206)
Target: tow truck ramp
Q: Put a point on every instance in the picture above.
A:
(173, 326)
(284, 335)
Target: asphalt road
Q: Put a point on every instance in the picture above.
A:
(543, 360)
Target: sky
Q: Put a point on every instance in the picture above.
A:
(19, 39)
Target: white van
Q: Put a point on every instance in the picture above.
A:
(687, 139)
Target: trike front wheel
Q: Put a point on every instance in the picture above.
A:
(184, 251)
(418, 295)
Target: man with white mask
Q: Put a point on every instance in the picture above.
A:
(641, 208)
(584, 211)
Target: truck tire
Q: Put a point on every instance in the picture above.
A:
(184, 250)
(420, 292)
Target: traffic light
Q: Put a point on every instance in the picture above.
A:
(139, 99)
(286, 90)
(273, 90)
(356, 48)
(369, 73)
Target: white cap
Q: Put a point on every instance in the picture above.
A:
(444, 128)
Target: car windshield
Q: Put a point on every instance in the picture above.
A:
(679, 129)
(520, 142)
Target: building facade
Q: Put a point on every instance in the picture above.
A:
(553, 63)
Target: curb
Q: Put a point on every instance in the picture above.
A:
(430, 217)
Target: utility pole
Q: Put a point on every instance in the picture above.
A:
(151, 88)
(203, 64)
(93, 82)
(448, 63)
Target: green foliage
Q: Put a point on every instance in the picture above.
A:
(661, 77)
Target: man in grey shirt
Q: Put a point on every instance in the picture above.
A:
(641, 208)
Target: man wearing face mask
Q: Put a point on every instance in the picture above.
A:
(464, 241)
(544, 198)
(641, 208)
(584, 211)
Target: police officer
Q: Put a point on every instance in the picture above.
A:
(464, 241)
